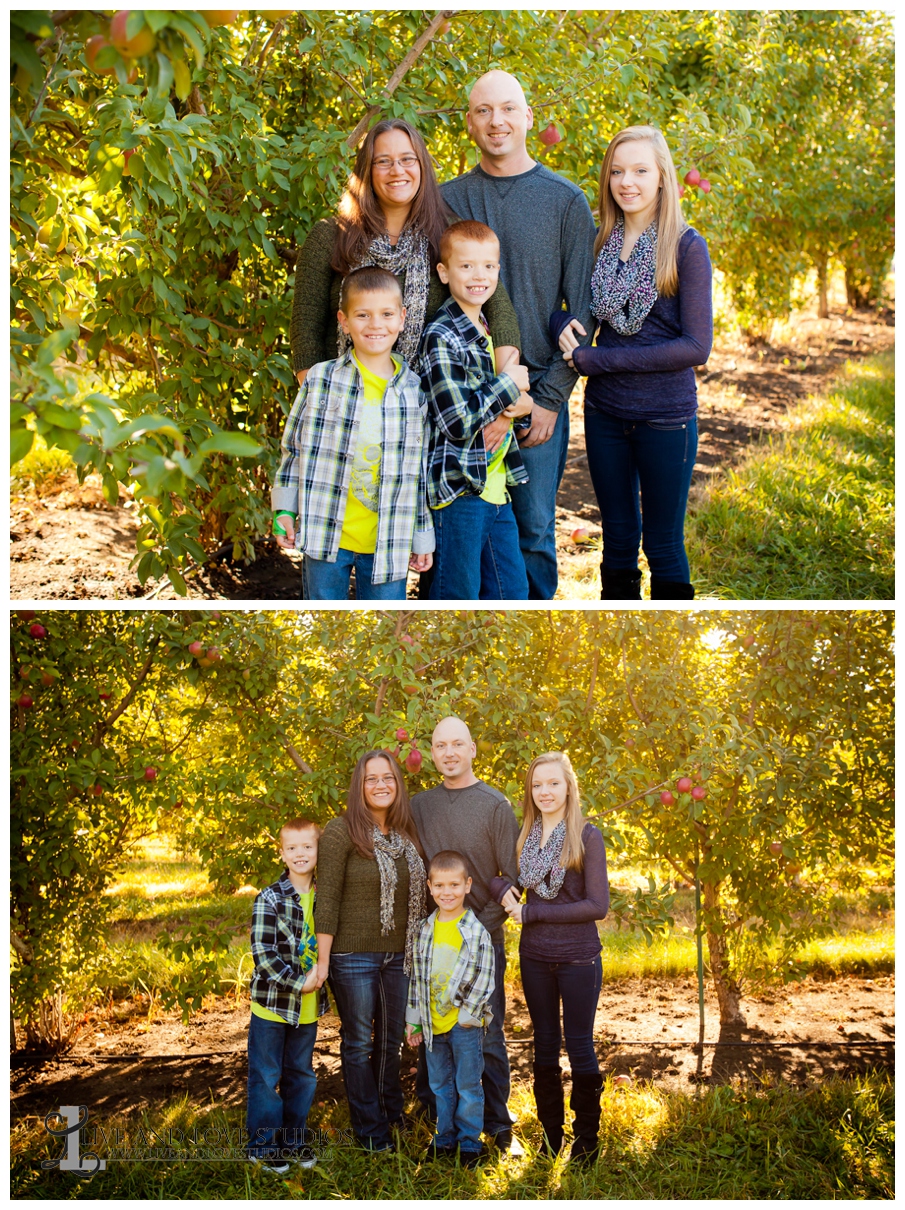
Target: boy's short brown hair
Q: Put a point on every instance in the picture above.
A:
(365, 281)
(300, 825)
(467, 228)
(446, 861)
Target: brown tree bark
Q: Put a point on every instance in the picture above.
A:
(728, 991)
(823, 306)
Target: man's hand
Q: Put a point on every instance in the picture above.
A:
(413, 1035)
(287, 540)
(543, 422)
(509, 900)
(568, 340)
(495, 432)
(421, 562)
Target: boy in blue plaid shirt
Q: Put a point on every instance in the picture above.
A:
(474, 457)
(350, 490)
(285, 1006)
(449, 1007)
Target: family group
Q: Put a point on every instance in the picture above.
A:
(437, 332)
(399, 907)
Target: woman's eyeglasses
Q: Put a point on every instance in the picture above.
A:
(384, 163)
(371, 782)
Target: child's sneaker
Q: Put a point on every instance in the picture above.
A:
(276, 1166)
(470, 1159)
(305, 1157)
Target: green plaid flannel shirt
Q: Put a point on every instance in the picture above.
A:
(465, 394)
(470, 984)
(318, 445)
(277, 924)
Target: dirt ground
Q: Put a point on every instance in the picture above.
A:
(801, 1035)
(73, 546)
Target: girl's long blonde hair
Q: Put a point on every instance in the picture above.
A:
(670, 221)
(572, 857)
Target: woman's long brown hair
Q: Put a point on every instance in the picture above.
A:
(671, 223)
(358, 817)
(360, 218)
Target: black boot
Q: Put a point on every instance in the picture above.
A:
(670, 590)
(619, 585)
(585, 1104)
(551, 1112)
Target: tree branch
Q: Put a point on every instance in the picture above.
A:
(590, 699)
(105, 724)
(399, 74)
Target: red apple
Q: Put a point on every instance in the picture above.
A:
(705, 186)
(25, 614)
(150, 773)
(213, 653)
(667, 799)
(683, 785)
(692, 177)
(444, 28)
(748, 640)
(246, 674)
(105, 695)
(196, 648)
(580, 536)
(37, 631)
(401, 734)
(407, 639)
(698, 792)
(24, 673)
(681, 191)
(47, 678)
(550, 136)
(622, 1081)
(413, 761)
(25, 702)
(127, 156)
(93, 48)
(629, 743)
(97, 790)
(411, 690)
(133, 48)
(776, 848)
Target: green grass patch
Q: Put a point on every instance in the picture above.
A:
(835, 1141)
(40, 468)
(808, 514)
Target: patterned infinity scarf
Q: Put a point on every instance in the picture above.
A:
(623, 298)
(410, 256)
(386, 850)
(537, 866)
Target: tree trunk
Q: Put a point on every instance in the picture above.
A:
(823, 306)
(728, 992)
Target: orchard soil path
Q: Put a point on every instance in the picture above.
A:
(73, 546)
(123, 1063)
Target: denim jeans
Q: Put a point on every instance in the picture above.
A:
(641, 471)
(279, 1054)
(325, 581)
(496, 1058)
(371, 990)
(478, 556)
(534, 504)
(577, 987)
(455, 1066)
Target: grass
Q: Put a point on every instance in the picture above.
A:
(808, 514)
(40, 470)
(835, 1141)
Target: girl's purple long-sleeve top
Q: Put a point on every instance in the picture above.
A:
(650, 375)
(564, 929)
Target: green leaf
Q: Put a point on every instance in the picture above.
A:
(20, 442)
(237, 445)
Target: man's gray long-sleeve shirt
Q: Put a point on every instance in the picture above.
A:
(478, 822)
(546, 235)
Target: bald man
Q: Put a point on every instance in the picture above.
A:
(546, 235)
(465, 814)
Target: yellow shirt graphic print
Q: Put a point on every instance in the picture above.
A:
(359, 531)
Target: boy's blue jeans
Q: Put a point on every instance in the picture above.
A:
(325, 581)
(478, 556)
(455, 1066)
(642, 468)
(279, 1054)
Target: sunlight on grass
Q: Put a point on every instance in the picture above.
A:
(40, 469)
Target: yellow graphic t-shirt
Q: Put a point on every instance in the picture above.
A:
(447, 943)
(359, 531)
(495, 485)
(308, 957)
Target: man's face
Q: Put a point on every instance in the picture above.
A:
(498, 119)
(452, 750)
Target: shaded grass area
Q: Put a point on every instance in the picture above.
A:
(808, 514)
(833, 1142)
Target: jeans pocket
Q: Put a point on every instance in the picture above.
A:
(665, 426)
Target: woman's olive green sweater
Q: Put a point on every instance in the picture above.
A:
(313, 327)
(348, 896)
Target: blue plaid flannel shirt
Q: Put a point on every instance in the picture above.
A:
(465, 394)
(318, 445)
(277, 925)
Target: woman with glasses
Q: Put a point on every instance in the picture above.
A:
(370, 902)
(391, 215)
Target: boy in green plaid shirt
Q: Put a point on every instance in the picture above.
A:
(285, 1005)
(351, 488)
